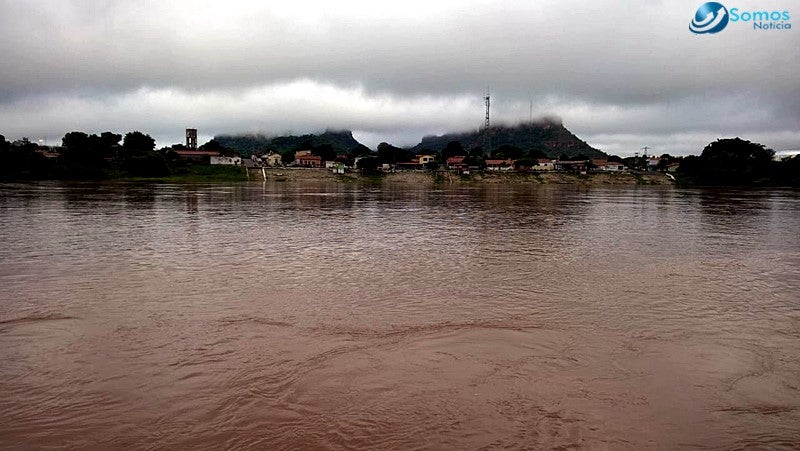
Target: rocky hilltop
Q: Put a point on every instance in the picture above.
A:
(341, 141)
(547, 136)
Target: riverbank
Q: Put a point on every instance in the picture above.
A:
(430, 178)
(226, 174)
(196, 174)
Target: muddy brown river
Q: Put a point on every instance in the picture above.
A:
(345, 316)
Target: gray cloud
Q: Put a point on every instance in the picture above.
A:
(616, 74)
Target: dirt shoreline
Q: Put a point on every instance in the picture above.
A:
(429, 178)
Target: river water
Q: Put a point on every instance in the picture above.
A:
(344, 316)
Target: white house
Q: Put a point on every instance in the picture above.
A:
(608, 166)
(231, 161)
(500, 165)
(272, 159)
(425, 159)
(544, 165)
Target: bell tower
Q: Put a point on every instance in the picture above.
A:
(191, 138)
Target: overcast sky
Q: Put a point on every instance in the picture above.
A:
(621, 75)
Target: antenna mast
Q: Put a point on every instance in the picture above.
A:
(530, 115)
(486, 98)
(487, 144)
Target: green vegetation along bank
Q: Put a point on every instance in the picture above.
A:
(427, 178)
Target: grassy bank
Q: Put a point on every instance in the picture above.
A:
(197, 174)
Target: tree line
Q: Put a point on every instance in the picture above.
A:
(91, 156)
(738, 162)
(111, 155)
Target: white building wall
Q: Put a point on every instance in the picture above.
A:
(231, 161)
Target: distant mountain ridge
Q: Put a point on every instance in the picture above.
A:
(342, 142)
(549, 136)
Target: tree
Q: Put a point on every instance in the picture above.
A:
(147, 164)
(388, 153)
(74, 141)
(476, 153)
(21, 161)
(536, 154)
(305, 143)
(729, 162)
(137, 143)
(216, 146)
(212, 144)
(691, 165)
(325, 151)
(525, 163)
(359, 151)
(83, 154)
(110, 139)
(453, 149)
(787, 171)
(737, 153)
(287, 157)
(368, 165)
(508, 151)
(139, 157)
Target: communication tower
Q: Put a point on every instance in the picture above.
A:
(487, 140)
(486, 98)
(530, 114)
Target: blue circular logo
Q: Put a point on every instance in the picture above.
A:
(711, 17)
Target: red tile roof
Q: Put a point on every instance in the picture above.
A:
(197, 153)
(499, 162)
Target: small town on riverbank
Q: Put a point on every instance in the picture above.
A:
(564, 159)
(424, 167)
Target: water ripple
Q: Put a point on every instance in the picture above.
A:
(339, 316)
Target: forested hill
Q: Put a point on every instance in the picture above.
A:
(548, 136)
(342, 142)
